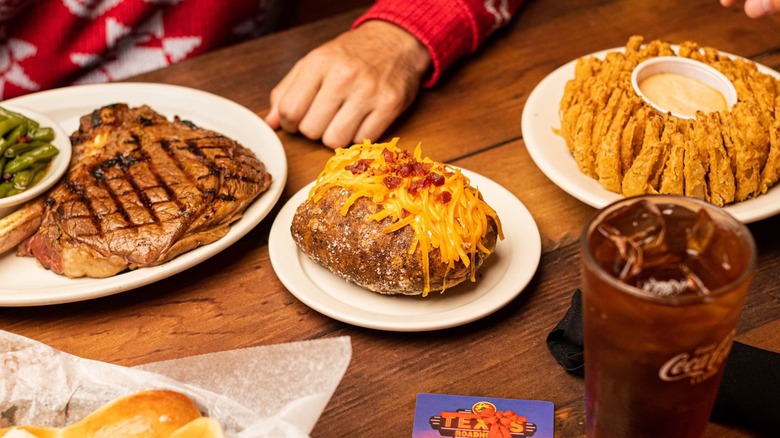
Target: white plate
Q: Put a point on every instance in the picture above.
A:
(503, 276)
(26, 283)
(548, 149)
(58, 167)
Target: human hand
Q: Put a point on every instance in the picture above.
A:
(756, 8)
(351, 87)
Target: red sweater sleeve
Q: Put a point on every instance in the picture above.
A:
(450, 29)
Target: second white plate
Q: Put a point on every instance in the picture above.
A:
(505, 274)
(541, 118)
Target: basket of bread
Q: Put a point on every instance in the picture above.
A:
(266, 391)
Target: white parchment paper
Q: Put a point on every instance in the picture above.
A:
(268, 391)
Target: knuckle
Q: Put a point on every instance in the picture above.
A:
(345, 74)
(335, 139)
(309, 130)
(392, 101)
(289, 121)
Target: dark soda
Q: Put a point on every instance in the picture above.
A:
(664, 281)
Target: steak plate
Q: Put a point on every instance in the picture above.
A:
(141, 190)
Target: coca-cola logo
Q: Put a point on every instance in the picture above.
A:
(699, 365)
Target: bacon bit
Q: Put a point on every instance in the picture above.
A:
(419, 184)
(404, 213)
(359, 167)
(437, 179)
(392, 182)
(405, 170)
(403, 155)
(446, 197)
(414, 169)
(388, 155)
(24, 139)
(422, 169)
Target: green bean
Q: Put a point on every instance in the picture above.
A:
(40, 172)
(5, 188)
(20, 148)
(9, 124)
(41, 133)
(21, 162)
(8, 114)
(12, 138)
(25, 152)
(43, 152)
(18, 164)
(4, 144)
(18, 132)
(26, 178)
(22, 179)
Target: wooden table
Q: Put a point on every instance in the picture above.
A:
(471, 119)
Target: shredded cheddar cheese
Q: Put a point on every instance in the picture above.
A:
(436, 200)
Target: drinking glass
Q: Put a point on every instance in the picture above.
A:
(664, 282)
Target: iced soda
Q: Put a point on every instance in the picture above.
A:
(664, 281)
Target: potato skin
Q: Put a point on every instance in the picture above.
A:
(357, 249)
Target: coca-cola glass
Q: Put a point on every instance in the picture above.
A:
(664, 282)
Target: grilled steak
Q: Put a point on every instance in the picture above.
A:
(142, 190)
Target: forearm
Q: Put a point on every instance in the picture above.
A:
(449, 29)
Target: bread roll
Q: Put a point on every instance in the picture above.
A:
(395, 223)
(146, 414)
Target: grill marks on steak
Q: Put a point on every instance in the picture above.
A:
(141, 191)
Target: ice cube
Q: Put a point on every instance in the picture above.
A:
(669, 249)
(625, 257)
(701, 234)
(712, 253)
(636, 231)
(642, 222)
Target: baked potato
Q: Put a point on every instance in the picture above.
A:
(395, 223)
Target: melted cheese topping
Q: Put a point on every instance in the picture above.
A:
(433, 198)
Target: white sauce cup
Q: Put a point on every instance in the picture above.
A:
(690, 68)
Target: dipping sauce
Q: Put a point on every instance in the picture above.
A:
(682, 95)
